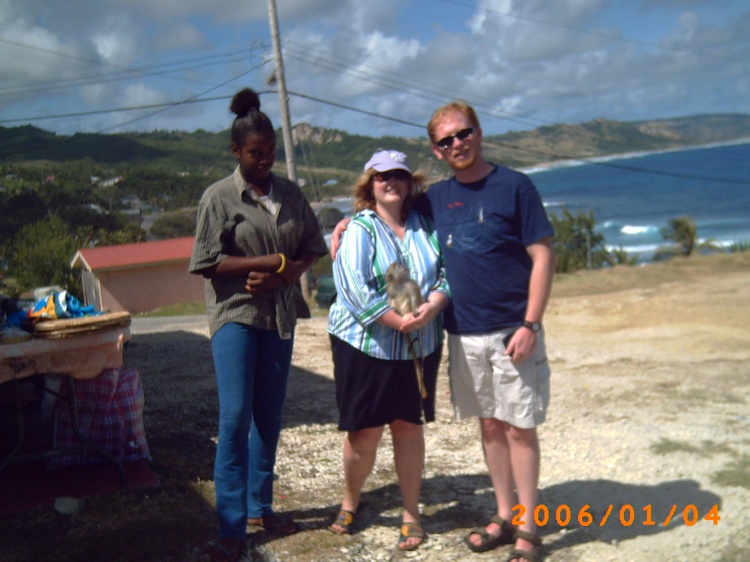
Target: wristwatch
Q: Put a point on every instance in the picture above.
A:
(533, 326)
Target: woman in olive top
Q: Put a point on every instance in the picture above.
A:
(256, 234)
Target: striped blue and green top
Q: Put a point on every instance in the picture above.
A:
(368, 248)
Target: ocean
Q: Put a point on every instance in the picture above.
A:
(634, 197)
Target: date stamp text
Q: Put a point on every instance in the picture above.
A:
(626, 515)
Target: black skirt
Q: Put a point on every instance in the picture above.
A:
(371, 392)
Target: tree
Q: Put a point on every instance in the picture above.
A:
(174, 224)
(577, 244)
(683, 232)
(41, 255)
(328, 217)
(620, 256)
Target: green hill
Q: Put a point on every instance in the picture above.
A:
(328, 157)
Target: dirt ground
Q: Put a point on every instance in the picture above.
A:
(649, 414)
(645, 452)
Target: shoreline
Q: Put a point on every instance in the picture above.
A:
(574, 162)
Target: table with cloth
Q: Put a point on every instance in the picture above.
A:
(104, 401)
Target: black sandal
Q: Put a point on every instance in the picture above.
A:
(344, 521)
(488, 541)
(408, 531)
(530, 555)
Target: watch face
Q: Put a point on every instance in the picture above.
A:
(533, 326)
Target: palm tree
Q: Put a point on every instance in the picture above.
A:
(684, 233)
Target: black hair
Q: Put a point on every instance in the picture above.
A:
(250, 119)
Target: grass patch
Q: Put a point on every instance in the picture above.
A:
(736, 473)
(706, 448)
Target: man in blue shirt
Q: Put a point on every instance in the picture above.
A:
(497, 245)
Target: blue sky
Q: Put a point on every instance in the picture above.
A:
(369, 67)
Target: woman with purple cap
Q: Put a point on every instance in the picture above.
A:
(376, 383)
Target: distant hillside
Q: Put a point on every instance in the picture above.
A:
(334, 154)
(601, 137)
(163, 148)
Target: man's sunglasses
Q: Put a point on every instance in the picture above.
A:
(390, 174)
(447, 142)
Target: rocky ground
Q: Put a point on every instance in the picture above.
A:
(646, 451)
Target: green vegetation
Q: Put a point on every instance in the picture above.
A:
(41, 255)
(94, 189)
(741, 246)
(736, 473)
(175, 224)
(579, 246)
(328, 217)
(683, 232)
(705, 449)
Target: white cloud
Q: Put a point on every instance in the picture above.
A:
(182, 35)
(533, 60)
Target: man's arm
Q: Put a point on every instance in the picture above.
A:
(336, 235)
(523, 343)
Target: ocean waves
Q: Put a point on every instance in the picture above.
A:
(635, 199)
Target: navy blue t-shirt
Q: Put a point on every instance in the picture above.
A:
(484, 228)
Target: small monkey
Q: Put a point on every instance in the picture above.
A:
(404, 296)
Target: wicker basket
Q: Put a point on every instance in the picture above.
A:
(70, 327)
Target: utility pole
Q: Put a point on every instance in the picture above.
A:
(286, 126)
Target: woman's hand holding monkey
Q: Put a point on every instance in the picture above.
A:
(427, 313)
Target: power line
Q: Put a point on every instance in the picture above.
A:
(547, 155)
(153, 69)
(388, 79)
(162, 108)
(111, 110)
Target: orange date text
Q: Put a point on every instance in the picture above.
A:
(626, 515)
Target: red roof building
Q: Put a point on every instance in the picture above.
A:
(139, 277)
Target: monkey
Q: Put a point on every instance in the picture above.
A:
(404, 296)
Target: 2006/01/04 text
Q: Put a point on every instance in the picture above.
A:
(626, 515)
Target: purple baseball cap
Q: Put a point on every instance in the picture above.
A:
(385, 160)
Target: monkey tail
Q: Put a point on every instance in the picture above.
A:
(417, 367)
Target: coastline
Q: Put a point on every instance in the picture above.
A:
(636, 199)
(573, 162)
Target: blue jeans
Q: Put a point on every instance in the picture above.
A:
(252, 370)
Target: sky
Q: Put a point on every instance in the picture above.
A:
(369, 67)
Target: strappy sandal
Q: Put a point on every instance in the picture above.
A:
(488, 541)
(410, 531)
(343, 523)
(275, 523)
(523, 554)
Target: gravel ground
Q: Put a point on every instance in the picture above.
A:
(645, 454)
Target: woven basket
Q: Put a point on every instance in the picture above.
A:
(69, 327)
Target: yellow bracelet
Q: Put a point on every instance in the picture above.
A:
(282, 267)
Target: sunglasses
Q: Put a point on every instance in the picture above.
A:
(390, 174)
(447, 142)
